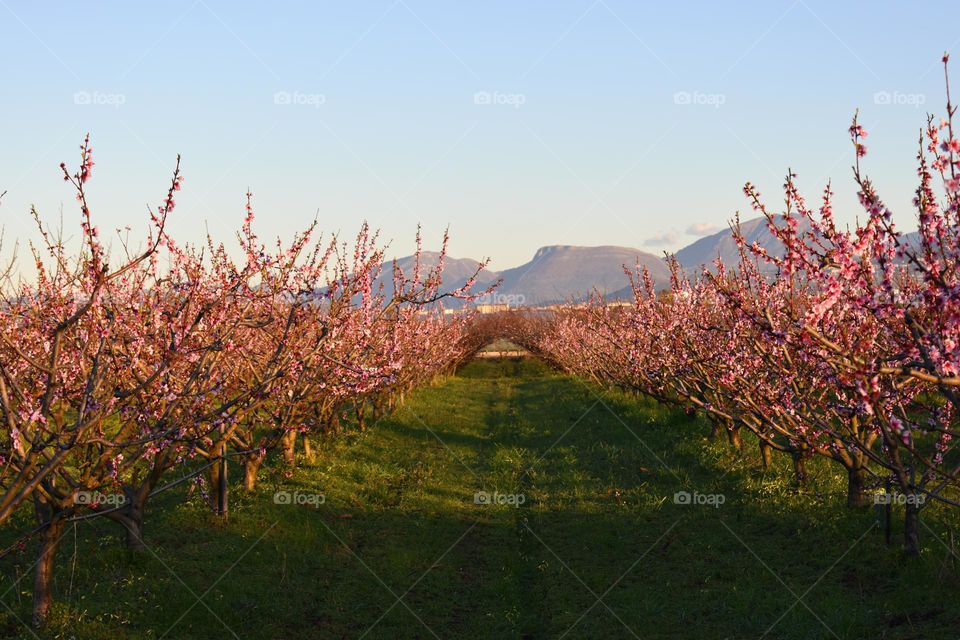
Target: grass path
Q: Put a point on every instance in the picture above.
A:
(598, 548)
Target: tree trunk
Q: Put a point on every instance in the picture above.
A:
(766, 455)
(43, 571)
(132, 512)
(289, 444)
(214, 474)
(361, 424)
(223, 488)
(733, 436)
(799, 468)
(132, 517)
(333, 422)
(856, 487)
(251, 468)
(308, 451)
(218, 478)
(911, 527)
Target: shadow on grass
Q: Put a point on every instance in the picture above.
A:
(598, 548)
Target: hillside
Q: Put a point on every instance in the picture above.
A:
(555, 274)
(559, 273)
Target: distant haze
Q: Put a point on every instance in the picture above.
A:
(563, 272)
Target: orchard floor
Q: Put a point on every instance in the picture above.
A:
(598, 548)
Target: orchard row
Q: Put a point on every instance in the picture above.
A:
(842, 343)
(125, 373)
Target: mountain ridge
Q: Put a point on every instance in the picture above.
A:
(564, 272)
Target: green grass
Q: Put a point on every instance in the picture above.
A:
(598, 471)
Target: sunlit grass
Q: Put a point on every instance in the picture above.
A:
(597, 470)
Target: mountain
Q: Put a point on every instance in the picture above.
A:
(456, 271)
(564, 272)
(704, 251)
(559, 273)
(912, 240)
(555, 274)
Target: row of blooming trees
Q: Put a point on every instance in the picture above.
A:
(844, 345)
(128, 372)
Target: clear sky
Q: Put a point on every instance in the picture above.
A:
(517, 123)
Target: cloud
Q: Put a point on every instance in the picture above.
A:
(702, 229)
(661, 239)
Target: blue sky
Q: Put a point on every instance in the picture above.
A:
(608, 122)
